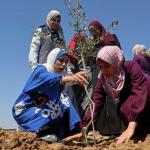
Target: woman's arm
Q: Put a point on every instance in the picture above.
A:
(77, 78)
(135, 103)
(128, 133)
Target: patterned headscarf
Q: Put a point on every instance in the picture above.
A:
(113, 56)
(138, 49)
(52, 57)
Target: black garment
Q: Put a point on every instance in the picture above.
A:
(47, 130)
(109, 122)
(39, 98)
(117, 41)
(76, 94)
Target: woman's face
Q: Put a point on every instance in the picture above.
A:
(107, 69)
(60, 64)
(95, 31)
(55, 23)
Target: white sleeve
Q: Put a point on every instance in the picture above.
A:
(34, 49)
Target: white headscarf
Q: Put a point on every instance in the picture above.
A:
(138, 49)
(52, 14)
(54, 55)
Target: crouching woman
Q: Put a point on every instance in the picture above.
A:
(127, 109)
(42, 105)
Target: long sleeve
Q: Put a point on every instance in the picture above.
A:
(136, 100)
(45, 82)
(34, 49)
(99, 97)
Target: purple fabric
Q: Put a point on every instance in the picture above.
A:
(133, 97)
(108, 38)
(144, 62)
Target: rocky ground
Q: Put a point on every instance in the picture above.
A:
(12, 140)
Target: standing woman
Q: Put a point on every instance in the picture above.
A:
(46, 38)
(124, 81)
(101, 38)
(42, 104)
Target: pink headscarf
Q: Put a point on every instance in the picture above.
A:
(112, 55)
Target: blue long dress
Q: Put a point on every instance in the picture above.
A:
(32, 114)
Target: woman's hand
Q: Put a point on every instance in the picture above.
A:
(77, 78)
(73, 137)
(128, 133)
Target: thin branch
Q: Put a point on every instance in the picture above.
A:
(80, 19)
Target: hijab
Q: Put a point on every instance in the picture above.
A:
(52, 57)
(108, 38)
(52, 14)
(112, 55)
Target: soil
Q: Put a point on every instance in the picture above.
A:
(12, 140)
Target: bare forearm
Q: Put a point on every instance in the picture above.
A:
(132, 125)
(77, 78)
(128, 133)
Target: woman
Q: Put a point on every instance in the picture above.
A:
(46, 38)
(142, 57)
(42, 104)
(125, 82)
(102, 38)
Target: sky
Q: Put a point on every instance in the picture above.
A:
(19, 18)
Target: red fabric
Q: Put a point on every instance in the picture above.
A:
(76, 37)
(73, 45)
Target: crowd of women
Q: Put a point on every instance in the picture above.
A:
(54, 103)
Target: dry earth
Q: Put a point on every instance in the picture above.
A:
(12, 140)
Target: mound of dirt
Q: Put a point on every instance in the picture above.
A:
(12, 140)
